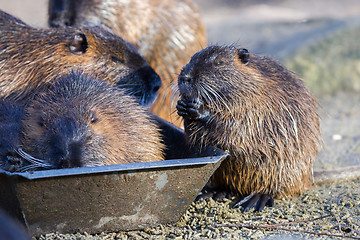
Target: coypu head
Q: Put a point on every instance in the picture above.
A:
(226, 78)
(213, 73)
(115, 60)
(81, 121)
(33, 57)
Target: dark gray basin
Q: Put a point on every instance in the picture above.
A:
(114, 197)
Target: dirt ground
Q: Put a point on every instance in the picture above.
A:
(278, 29)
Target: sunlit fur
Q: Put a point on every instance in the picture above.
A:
(261, 113)
(83, 121)
(166, 32)
(31, 57)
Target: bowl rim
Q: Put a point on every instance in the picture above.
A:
(141, 166)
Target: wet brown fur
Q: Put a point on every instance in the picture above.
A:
(166, 32)
(262, 114)
(107, 126)
(30, 57)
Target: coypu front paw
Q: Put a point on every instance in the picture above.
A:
(192, 109)
(11, 162)
(11, 115)
(256, 201)
(213, 192)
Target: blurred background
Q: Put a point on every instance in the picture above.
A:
(319, 40)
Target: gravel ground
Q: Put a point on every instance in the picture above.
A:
(323, 212)
(340, 127)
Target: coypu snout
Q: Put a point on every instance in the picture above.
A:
(66, 141)
(68, 157)
(66, 154)
(147, 94)
(184, 78)
(185, 84)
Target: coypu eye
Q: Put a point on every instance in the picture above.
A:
(93, 118)
(219, 62)
(244, 55)
(78, 44)
(117, 59)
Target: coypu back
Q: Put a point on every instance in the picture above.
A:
(8, 22)
(167, 33)
(256, 109)
(82, 121)
(30, 58)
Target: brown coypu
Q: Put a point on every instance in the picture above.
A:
(80, 121)
(257, 110)
(166, 32)
(31, 57)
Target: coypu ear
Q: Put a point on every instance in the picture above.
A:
(93, 117)
(79, 44)
(244, 55)
(116, 59)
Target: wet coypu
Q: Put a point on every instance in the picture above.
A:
(257, 110)
(31, 57)
(167, 33)
(80, 121)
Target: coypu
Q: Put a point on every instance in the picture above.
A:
(80, 121)
(257, 110)
(30, 57)
(167, 33)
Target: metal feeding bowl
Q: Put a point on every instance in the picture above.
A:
(111, 198)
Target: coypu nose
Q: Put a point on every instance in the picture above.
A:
(70, 155)
(153, 80)
(155, 84)
(152, 84)
(184, 79)
(156, 87)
